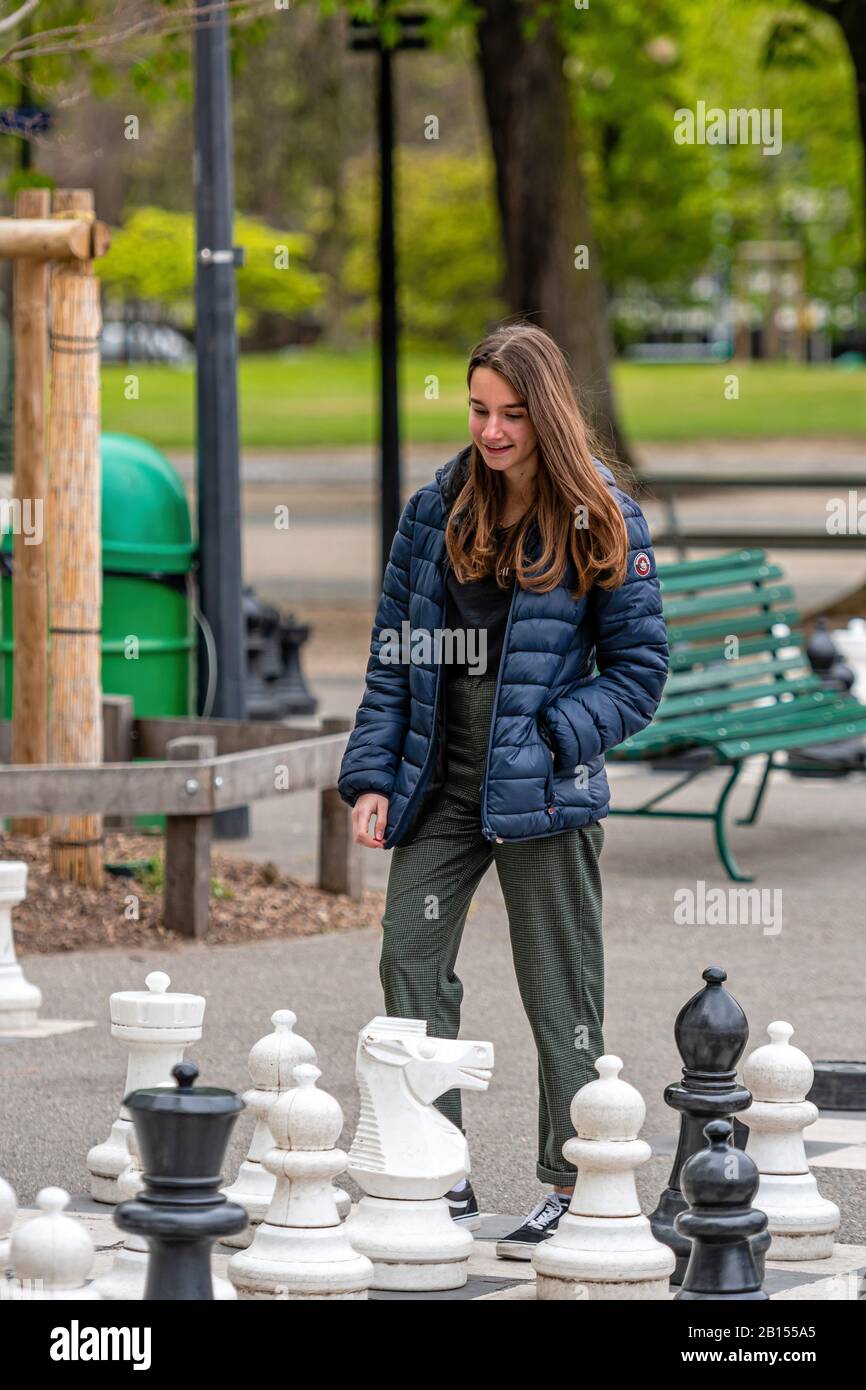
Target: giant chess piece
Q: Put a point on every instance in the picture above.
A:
(711, 1032)
(720, 1183)
(126, 1279)
(301, 1249)
(182, 1136)
(20, 1001)
(52, 1254)
(8, 1208)
(272, 1063)
(603, 1247)
(406, 1155)
(155, 1026)
(801, 1222)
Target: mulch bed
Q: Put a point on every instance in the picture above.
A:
(249, 902)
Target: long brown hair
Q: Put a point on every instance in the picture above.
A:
(573, 507)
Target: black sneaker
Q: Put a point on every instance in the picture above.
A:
(541, 1222)
(464, 1207)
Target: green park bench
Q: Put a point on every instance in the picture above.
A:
(740, 686)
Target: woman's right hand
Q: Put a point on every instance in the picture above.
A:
(371, 803)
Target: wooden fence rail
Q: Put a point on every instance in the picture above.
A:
(193, 780)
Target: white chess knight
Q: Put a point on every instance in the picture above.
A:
(126, 1278)
(52, 1254)
(301, 1249)
(156, 1026)
(406, 1155)
(20, 1001)
(801, 1222)
(271, 1063)
(603, 1247)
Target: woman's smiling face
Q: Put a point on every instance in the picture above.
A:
(498, 422)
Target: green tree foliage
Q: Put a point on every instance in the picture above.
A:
(448, 244)
(152, 258)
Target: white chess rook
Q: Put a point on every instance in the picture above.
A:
(19, 1000)
(801, 1222)
(406, 1155)
(271, 1064)
(603, 1247)
(301, 1250)
(52, 1254)
(156, 1026)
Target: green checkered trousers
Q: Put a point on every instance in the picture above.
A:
(552, 892)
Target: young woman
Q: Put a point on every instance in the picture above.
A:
(524, 547)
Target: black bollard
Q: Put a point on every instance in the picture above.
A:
(182, 1135)
(720, 1183)
(711, 1032)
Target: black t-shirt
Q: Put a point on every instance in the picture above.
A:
(475, 607)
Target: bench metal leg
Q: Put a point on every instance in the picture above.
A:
(759, 797)
(722, 845)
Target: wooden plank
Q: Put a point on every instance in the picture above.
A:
(186, 896)
(117, 720)
(30, 586)
(232, 735)
(708, 537)
(340, 866)
(253, 776)
(673, 482)
(152, 788)
(36, 236)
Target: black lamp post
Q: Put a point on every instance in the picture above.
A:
(366, 36)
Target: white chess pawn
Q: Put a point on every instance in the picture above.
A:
(8, 1208)
(271, 1064)
(801, 1222)
(126, 1278)
(301, 1249)
(53, 1254)
(156, 1026)
(20, 1001)
(603, 1247)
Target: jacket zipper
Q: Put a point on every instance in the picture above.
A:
(485, 828)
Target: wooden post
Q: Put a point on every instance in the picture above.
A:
(117, 721)
(186, 896)
(30, 583)
(74, 543)
(340, 864)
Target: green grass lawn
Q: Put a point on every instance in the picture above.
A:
(318, 397)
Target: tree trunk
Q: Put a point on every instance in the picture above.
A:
(850, 15)
(543, 204)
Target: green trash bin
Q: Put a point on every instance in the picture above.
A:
(148, 638)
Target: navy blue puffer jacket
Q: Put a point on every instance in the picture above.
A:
(548, 693)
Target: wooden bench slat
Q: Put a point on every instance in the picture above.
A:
(730, 602)
(734, 673)
(711, 562)
(723, 627)
(719, 579)
(725, 699)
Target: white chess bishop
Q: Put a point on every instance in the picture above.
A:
(271, 1064)
(156, 1026)
(406, 1155)
(801, 1222)
(301, 1249)
(603, 1247)
(52, 1254)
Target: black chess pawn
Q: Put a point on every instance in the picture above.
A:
(711, 1033)
(182, 1135)
(720, 1183)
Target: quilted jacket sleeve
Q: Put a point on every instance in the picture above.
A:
(631, 653)
(375, 745)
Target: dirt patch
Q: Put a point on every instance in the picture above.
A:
(248, 901)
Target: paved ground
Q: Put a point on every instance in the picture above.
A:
(61, 1092)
